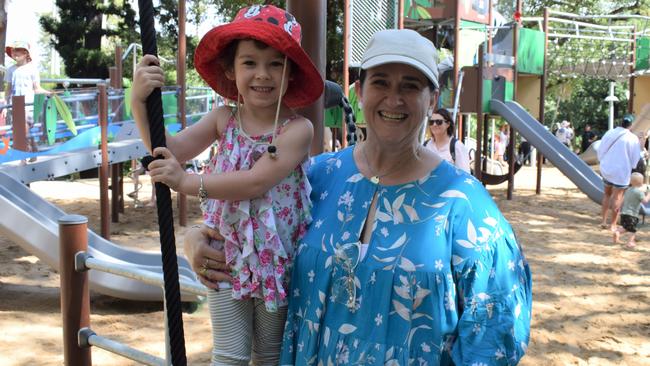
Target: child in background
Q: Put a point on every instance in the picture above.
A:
(632, 200)
(255, 191)
(22, 78)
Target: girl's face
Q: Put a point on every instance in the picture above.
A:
(395, 100)
(19, 54)
(258, 74)
(438, 125)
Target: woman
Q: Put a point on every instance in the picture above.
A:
(441, 129)
(407, 261)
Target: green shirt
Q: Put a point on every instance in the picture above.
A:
(632, 201)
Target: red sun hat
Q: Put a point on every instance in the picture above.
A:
(276, 28)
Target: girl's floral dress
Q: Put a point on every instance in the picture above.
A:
(260, 234)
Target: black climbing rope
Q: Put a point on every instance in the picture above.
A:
(163, 200)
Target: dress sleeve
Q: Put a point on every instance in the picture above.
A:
(493, 283)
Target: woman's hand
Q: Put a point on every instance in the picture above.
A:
(148, 76)
(208, 263)
(168, 170)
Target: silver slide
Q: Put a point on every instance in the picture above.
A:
(32, 222)
(570, 164)
(564, 159)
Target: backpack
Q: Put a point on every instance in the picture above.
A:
(452, 147)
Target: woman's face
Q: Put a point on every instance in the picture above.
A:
(438, 125)
(395, 100)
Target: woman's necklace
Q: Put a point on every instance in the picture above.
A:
(376, 177)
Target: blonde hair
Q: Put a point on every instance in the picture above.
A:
(636, 178)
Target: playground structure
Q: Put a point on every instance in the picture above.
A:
(496, 76)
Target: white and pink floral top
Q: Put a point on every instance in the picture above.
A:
(260, 234)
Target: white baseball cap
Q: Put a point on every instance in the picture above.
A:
(403, 46)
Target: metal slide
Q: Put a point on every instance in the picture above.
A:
(570, 164)
(564, 159)
(32, 222)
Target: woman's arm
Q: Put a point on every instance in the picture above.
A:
(293, 148)
(493, 282)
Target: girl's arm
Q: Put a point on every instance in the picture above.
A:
(189, 142)
(293, 148)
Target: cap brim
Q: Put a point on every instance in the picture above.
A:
(400, 59)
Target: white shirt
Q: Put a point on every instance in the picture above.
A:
(618, 154)
(462, 155)
(22, 79)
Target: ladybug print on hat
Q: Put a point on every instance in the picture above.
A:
(253, 11)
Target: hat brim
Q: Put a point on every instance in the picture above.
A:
(305, 85)
(400, 59)
(9, 51)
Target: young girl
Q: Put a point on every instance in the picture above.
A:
(256, 192)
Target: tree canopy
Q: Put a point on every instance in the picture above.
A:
(78, 30)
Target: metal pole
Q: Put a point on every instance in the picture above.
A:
(311, 14)
(102, 108)
(75, 295)
(630, 102)
(610, 121)
(180, 79)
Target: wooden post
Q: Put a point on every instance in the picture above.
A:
(102, 110)
(182, 115)
(457, 22)
(75, 295)
(542, 97)
(478, 166)
(19, 126)
(513, 133)
(311, 14)
(630, 102)
(346, 71)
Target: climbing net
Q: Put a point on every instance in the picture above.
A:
(597, 46)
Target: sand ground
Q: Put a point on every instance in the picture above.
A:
(591, 298)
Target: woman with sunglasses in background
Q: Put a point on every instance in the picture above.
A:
(443, 142)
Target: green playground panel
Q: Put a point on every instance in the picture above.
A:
(487, 93)
(530, 52)
(642, 53)
(333, 117)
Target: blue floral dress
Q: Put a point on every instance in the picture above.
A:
(443, 281)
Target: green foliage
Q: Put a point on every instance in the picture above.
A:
(78, 31)
(585, 104)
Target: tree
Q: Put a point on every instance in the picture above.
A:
(77, 34)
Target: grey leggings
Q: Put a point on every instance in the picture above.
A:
(243, 331)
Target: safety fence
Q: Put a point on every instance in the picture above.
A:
(78, 336)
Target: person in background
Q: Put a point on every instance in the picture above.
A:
(443, 142)
(618, 154)
(587, 138)
(632, 199)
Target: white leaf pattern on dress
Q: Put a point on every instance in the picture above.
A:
(347, 328)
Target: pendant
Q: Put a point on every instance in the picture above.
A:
(374, 179)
